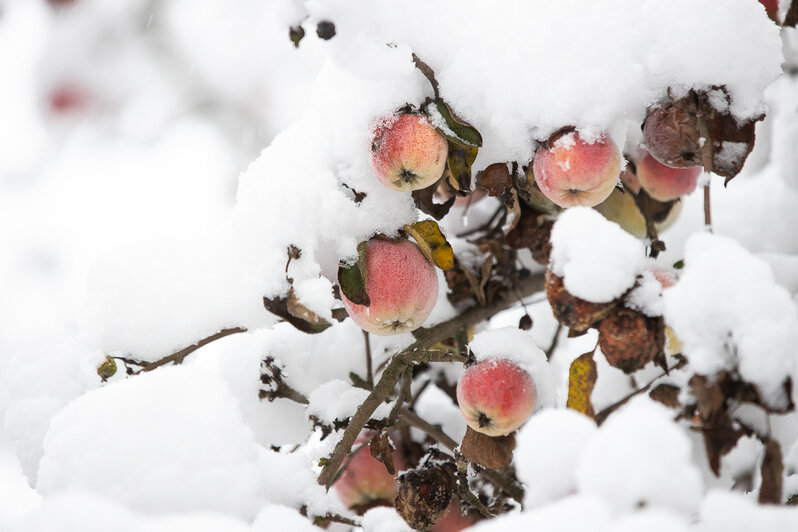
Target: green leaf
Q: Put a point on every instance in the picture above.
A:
(458, 130)
(352, 279)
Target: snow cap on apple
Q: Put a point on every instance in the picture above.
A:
(510, 381)
(402, 286)
(407, 153)
(574, 170)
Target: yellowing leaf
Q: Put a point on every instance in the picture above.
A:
(581, 380)
(432, 243)
(459, 161)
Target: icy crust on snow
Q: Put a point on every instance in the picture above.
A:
(513, 344)
(597, 259)
(729, 312)
(625, 53)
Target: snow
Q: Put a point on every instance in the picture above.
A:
(158, 211)
(517, 346)
(597, 259)
(640, 456)
(549, 447)
(203, 458)
(738, 319)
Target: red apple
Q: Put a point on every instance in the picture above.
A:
(496, 396)
(407, 153)
(575, 172)
(366, 482)
(402, 286)
(664, 183)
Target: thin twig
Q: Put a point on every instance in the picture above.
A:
(554, 342)
(177, 358)
(707, 209)
(416, 352)
(369, 371)
(602, 416)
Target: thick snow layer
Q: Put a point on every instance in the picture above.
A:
(625, 51)
(598, 260)
(726, 512)
(516, 345)
(729, 313)
(547, 455)
(641, 456)
(199, 455)
(572, 514)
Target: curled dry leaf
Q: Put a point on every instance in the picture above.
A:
(425, 202)
(582, 377)
(107, 369)
(496, 179)
(381, 448)
(533, 232)
(291, 310)
(666, 394)
(487, 451)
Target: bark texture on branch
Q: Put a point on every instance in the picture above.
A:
(418, 353)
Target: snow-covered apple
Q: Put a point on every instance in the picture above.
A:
(664, 183)
(574, 171)
(402, 286)
(496, 396)
(407, 153)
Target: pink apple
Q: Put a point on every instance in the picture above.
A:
(575, 172)
(366, 482)
(496, 396)
(407, 153)
(402, 286)
(664, 183)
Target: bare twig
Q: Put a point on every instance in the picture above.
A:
(415, 353)
(369, 371)
(554, 342)
(707, 209)
(177, 358)
(602, 416)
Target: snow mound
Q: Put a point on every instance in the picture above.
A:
(597, 259)
(641, 456)
(729, 312)
(168, 441)
(549, 447)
